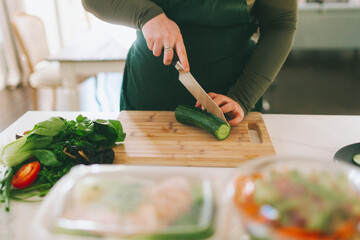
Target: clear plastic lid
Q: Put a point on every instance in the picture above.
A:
(127, 203)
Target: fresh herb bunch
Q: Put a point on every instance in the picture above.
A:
(58, 144)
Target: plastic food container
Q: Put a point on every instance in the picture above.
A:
(294, 198)
(119, 202)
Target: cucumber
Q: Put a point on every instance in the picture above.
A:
(196, 117)
(356, 159)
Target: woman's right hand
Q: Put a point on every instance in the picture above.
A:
(162, 33)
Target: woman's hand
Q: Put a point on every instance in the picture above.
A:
(162, 33)
(228, 106)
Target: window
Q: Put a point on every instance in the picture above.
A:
(66, 20)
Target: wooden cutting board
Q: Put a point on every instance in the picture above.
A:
(156, 138)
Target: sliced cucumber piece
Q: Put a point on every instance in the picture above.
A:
(356, 159)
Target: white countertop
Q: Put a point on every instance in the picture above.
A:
(315, 136)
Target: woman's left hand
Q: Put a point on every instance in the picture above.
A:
(228, 106)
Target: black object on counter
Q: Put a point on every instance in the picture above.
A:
(347, 153)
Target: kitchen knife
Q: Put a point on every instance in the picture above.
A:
(196, 90)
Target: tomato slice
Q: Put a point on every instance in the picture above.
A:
(26, 175)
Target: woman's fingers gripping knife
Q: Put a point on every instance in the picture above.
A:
(157, 31)
(162, 33)
(177, 46)
(181, 52)
(168, 54)
(158, 46)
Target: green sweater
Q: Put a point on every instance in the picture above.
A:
(277, 24)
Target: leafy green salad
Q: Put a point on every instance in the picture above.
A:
(32, 164)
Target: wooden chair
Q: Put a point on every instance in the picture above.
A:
(30, 33)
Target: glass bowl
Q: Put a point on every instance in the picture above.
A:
(294, 198)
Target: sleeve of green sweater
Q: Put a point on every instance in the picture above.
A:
(131, 13)
(277, 24)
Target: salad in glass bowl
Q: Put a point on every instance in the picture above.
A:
(297, 199)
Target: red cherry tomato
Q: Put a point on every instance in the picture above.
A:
(26, 175)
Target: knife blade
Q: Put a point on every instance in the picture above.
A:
(190, 83)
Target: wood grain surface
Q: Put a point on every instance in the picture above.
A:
(156, 138)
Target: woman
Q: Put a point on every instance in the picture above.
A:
(213, 37)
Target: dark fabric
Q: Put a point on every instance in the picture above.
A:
(277, 24)
(218, 47)
(258, 106)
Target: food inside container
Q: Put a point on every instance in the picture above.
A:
(298, 199)
(130, 204)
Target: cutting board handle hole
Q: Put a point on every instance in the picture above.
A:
(255, 133)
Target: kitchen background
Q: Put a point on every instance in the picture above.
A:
(320, 76)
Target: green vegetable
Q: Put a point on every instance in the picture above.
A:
(38, 138)
(196, 117)
(58, 145)
(55, 132)
(47, 158)
(5, 174)
(5, 182)
(7, 194)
